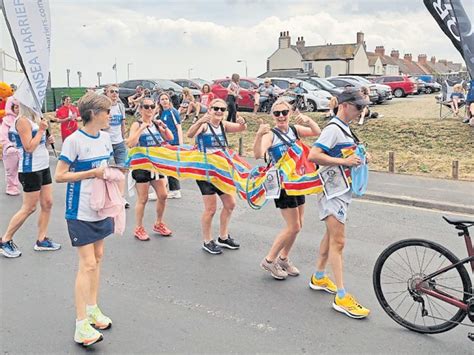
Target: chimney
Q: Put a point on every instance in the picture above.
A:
(407, 57)
(300, 43)
(443, 61)
(395, 54)
(380, 51)
(433, 60)
(422, 59)
(285, 40)
(360, 37)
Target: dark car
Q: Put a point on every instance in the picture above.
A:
(127, 88)
(346, 82)
(192, 85)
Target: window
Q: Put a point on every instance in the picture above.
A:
(246, 84)
(282, 84)
(225, 83)
(339, 83)
(148, 85)
(307, 66)
(327, 71)
(131, 84)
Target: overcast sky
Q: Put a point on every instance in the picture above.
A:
(164, 39)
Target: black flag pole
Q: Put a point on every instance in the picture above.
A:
(22, 64)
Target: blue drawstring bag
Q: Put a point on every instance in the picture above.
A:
(360, 174)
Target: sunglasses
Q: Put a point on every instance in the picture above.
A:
(283, 113)
(147, 107)
(222, 109)
(114, 91)
(358, 107)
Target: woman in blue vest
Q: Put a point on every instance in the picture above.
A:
(210, 134)
(276, 142)
(149, 132)
(28, 132)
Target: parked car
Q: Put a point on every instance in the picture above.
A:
(315, 98)
(420, 86)
(345, 82)
(401, 85)
(384, 92)
(323, 84)
(191, 85)
(430, 84)
(245, 101)
(127, 88)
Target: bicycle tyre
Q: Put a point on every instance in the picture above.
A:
(466, 282)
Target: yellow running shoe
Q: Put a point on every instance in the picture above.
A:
(324, 284)
(350, 307)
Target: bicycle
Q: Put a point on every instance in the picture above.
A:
(421, 298)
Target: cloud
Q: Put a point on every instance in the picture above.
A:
(167, 40)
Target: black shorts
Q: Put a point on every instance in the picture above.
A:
(141, 176)
(285, 201)
(33, 181)
(208, 189)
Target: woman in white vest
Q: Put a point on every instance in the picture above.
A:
(149, 132)
(276, 143)
(210, 133)
(28, 132)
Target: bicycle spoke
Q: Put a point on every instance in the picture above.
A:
(404, 263)
(423, 272)
(409, 264)
(431, 309)
(409, 309)
(401, 266)
(417, 258)
(423, 260)
(416, 312)
(393, 299)
(394, 278)
(392, 283)
(394, 273)
(403, 300)
(435, 302)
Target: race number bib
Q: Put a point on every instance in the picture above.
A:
(272, 184)
(334, 181)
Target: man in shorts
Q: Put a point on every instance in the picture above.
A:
(327, 152)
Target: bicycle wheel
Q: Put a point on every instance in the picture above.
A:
(401, 266)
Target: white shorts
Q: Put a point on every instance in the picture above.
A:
(333, 207)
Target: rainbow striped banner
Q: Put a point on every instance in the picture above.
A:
(229, 172)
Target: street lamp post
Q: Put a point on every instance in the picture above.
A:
(245, 62)
(128, 70)
(189, 72)
(99, 74)
(79, 75)
(68, 71)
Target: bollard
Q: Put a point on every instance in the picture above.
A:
(391, 162)
(241, 147)
(455, 169)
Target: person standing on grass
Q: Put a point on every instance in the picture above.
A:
(149, 132)
(84, 157)
(276, 142)
(327, 151)
(68, 115)
(233, 94)
(170, 116)
(29, 135)
(210, 134)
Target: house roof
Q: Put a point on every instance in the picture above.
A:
(283, 73)
(372, 58)
(329, 52)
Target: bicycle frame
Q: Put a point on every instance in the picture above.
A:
(445, 296)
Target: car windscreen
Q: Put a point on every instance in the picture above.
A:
(168, 84)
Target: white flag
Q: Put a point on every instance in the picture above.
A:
(29, 23)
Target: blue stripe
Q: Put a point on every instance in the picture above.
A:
(84, 165)
(72, 199)
(65, 159)
(322, 146)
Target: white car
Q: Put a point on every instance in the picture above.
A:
(315, 98)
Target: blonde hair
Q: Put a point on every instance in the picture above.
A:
(458, 88)
(187, 93)
(281, 102)
(92, 103)
(29, 113)
(217, 100)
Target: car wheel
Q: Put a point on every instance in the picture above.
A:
(312, 106)
(428, 91)
(399, 93)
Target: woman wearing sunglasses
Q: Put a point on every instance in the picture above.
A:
(210, 134)
(84, 156)
(276, 142)
(149, 132)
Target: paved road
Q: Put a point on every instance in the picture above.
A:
(167, 295)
